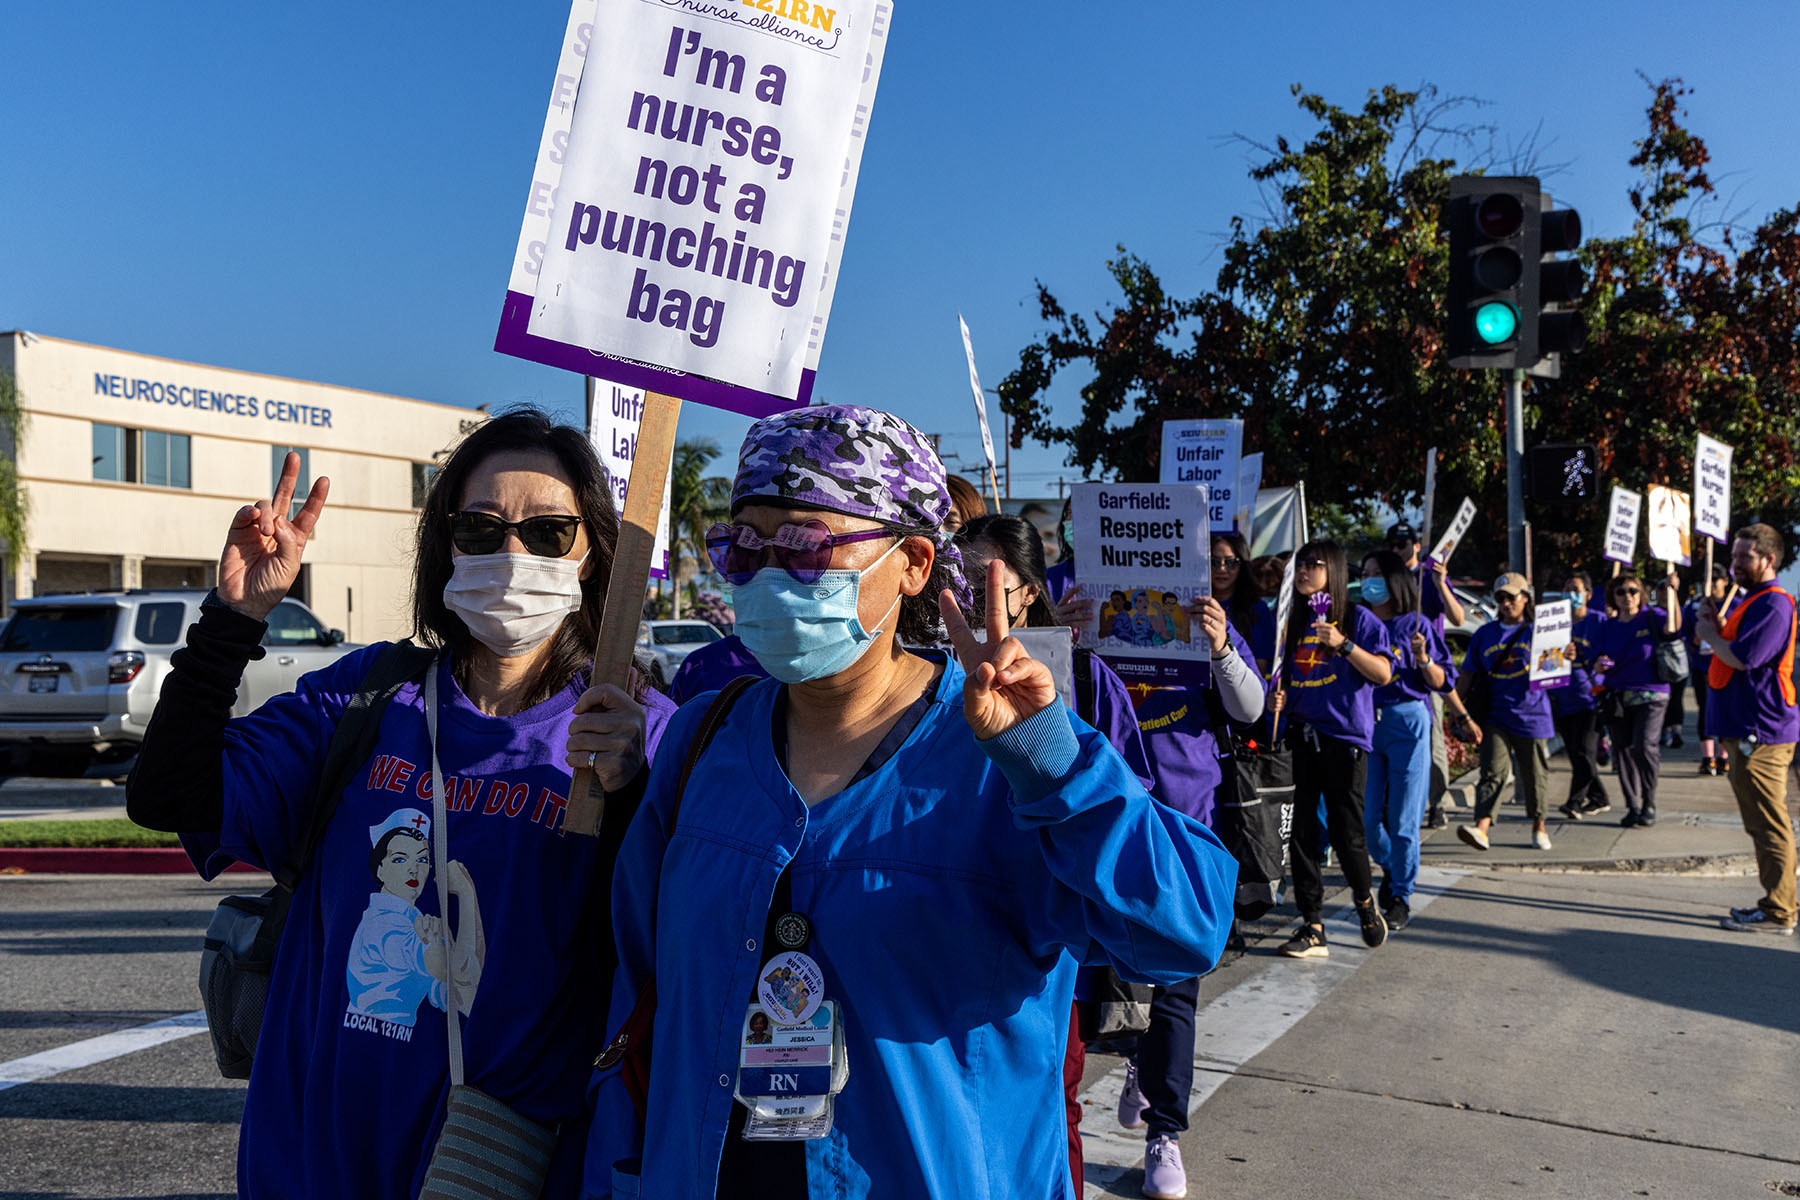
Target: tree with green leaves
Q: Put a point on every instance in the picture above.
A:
(15, 505)
(697, 501)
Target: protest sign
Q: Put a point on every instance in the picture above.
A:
(1249, 484)
(613, 423)
(1430, 491)
(1671, 525)
(1280, 521)
(1453, 536)
(1712, 489)
(698, 179)
(1144, 558)
(1284, 607)
(1552, 632)
(1052, 646)
(1622, 525)
(987, 437)
(1205, 452)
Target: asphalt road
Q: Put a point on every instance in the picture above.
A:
(1529, 1035)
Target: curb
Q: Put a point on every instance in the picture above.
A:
(1732, 865)
(101, 860)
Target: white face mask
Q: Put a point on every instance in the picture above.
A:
(513, 603)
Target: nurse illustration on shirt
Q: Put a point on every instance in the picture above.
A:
(397, 957)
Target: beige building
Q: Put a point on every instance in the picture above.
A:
(134, 465)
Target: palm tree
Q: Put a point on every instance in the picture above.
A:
(696, 502)
(15, 506)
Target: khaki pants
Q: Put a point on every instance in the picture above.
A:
(1500, 751)
(1759, 780)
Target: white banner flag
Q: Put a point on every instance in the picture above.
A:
(987, 437)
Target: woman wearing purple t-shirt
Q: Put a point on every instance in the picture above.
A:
(1400, 762)
(1331, 669)
(1626, 657)
(1516, 727)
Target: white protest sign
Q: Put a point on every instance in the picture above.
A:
(1284, 606)
(613, 428)
(698, 196)
(1622, 525)
(1145, 556)
(1205, 452)
(1552, 631)
(1453, 536)
(1671, 525)
(1249, 484)
(987, 437)
(1430, 489)
(1712, 489)
(1053, 647)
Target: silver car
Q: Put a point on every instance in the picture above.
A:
(665, 645)
(79, 674)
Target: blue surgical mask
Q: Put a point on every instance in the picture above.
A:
(1375, 590)
(804, 631)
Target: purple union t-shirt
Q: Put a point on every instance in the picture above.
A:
(1504, 655)
(1324, 690)
(1751, 705)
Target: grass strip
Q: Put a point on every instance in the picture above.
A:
(109, 831)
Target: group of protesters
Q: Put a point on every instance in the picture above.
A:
(860, 854)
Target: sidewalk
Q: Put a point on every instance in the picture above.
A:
(32, 799)
(1697, 829)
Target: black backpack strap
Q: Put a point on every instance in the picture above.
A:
(395, 665)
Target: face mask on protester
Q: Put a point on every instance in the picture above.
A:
(804, 631)
(1375, 590)
(513, 603)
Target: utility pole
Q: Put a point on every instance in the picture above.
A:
(1006, 447)
(1515, 471)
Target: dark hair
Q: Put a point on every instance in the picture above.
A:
(1764, 539)
(1403, 589)
(1586, 580)
(520, 430)
(381, 847)
(1246, 593)
(1337, 583)
(1016, 543)
(965, 500)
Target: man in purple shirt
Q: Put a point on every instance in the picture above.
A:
(1752, 701)
(1437, 602)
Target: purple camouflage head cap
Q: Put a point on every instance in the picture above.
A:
(857, 461)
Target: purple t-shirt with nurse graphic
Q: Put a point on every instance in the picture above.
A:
(1324, 691)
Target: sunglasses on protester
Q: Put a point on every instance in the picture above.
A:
(1503, 597)
(1313, 564)
(803, 550)
(1628, 591)
(484, 533)
(978, 595)
(1230, 563)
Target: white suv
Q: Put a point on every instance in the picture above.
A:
(79, 674)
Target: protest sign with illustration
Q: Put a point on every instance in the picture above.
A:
(1622, 517)
(1145, 550)
(613, 428)
(693, 188)
(1205, 452)
(1712, 489)
(1453, 536)
(1552, 651)
(1671, 525)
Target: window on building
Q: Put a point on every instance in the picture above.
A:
(126, 455)
(422, 476)
(278, 456)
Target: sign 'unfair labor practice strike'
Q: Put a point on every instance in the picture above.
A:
(692, 192)
(1145, 551)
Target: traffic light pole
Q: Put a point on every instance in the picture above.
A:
(1515, 471)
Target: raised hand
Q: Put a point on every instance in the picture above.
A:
(1005, 685)
(262, 551)
(1074, 609)
(1213, 623)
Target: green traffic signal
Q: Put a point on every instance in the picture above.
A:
(1496, 322)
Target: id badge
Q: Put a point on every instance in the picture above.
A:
(789, 1075)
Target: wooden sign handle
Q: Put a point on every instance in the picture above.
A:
(615, 648)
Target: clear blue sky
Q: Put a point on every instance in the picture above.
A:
(337, 197)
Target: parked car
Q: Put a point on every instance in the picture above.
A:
(663, 645)
(79, 674)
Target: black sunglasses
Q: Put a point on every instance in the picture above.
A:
(1313, 564)
(484, 533)
(1228, 563)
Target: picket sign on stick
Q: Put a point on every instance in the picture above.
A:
(616, 646)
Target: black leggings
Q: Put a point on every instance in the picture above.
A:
(1325, 766)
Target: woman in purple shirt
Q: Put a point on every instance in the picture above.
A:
(1333, 664)
(1400, 760)
(1517, 726)
(1625, 655)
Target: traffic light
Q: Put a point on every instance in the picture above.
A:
(1508, 292)
(1562, 474)
(1494, 236)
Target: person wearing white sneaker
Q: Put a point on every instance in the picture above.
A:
(1516, 725)
(1164, 1176)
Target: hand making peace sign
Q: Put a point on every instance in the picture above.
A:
(262, 551)
(1005, 685)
